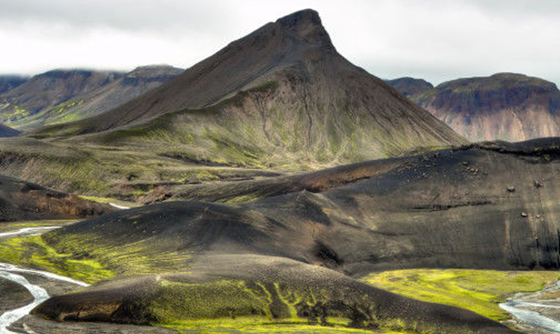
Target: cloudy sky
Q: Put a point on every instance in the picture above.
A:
(433, 39)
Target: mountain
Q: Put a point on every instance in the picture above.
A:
(47, 90)
(504, 106)
(279, 95)
(21, 200)
(6, 131)
(106, 97)
(408, 86)
(486, 206)
(8, 82)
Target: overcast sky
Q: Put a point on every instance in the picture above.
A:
(433, 39)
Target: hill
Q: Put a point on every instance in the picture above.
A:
(408, 86)
(106, 97)
(504, 106)
(46, 90)
(8, 82)
(457, 208)
(282, 93)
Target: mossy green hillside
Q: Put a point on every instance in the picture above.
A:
(253, 325)
(477, 290)
(34, 252)
(124, 172)
(130, 258)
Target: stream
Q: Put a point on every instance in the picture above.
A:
(539, 310)
(16, 275)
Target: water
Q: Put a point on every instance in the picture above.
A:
(532, 318)
(12, 273)
(122, 207)
(39, 294)
(28, 230)
(535, 310)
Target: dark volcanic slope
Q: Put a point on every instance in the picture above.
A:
(6, 131)
(8, 82)
(491, 206)
(20, 200)
(488, 206)
(49, 89)
(504, 106)
(106, 97)
(282, 90)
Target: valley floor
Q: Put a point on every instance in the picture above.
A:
(481, 291)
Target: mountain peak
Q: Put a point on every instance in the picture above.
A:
(307, 25)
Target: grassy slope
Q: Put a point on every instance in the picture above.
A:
(477, 290)
(33, 252)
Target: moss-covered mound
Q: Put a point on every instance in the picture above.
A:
(261, 287)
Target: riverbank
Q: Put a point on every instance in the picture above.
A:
(22, 289)
(538, 312)
(485, 292)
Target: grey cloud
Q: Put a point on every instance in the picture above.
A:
(435, 39)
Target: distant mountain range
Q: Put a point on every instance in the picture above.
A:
(504, 106)
(61, 96)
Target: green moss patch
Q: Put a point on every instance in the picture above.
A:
(254, 325)
(237, 306)
(35, 253)
(477, 290)
(130, 258)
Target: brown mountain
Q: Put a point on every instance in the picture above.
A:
(504, 106)
(278, 95)
(105, 97)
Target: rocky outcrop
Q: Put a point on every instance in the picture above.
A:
(20, 200)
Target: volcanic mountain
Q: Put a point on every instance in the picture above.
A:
(504, 106)
(93, 102)
(8, 82)
(278, 95)
(47, 90)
